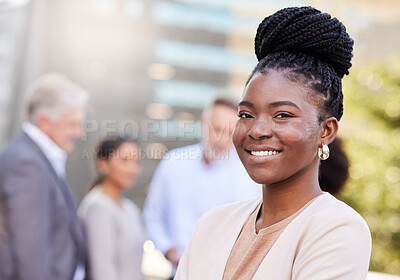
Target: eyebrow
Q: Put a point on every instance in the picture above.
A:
(246, 103)
(283, 103)
(275, 104)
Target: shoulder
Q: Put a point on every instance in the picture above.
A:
(228, 213)
(328, 238)
(328, 215)
(22, 162)
(21, 150)
(215, 234)
(327, 207)
(131, 206)
(94, 204)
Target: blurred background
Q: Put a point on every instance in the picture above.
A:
(150, 66)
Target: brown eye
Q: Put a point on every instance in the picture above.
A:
(283, 116)
(244, 116)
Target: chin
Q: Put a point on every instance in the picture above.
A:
(128, 186)
(261, 177)
(257, 177)
(68, 147)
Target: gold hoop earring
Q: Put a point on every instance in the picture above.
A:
(323, 152)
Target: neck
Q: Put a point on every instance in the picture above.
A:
(111, 190)
(285, 198)
(206, 157)
(210, 155)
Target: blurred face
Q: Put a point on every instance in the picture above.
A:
(123, 167)
(218, 129)
(277, 133)
(66, 130)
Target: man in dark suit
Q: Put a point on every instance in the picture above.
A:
(41, 237)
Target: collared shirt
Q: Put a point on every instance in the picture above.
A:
(184, 187)
(56, 155)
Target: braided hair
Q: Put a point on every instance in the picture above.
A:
(308, 47)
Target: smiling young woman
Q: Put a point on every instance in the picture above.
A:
(287, 117)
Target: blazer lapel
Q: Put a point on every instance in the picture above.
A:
(74, 223)
(230, 230)
(282, 254)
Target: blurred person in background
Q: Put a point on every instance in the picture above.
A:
(191, 180)
(43, 238)
(112, 223)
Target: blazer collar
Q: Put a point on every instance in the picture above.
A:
(233, 224)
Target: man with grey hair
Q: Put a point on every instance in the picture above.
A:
(42, 237)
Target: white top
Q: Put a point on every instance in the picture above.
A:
(56, 155)
(328, 240)
(115, 237)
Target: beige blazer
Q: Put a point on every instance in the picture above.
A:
(328, 240)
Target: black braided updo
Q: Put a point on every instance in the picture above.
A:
(311, 48)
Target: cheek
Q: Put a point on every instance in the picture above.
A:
(297, 131)
(115, 168)
(300, 137)
(137, 168)
(71, 129)
(239, 133)
(64, 133)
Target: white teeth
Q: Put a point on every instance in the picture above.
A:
(263, 153)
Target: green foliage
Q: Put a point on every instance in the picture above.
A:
(371, 132)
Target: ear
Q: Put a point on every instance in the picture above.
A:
(102, 165)
(42, 121)
(40, 118)
(329, 129)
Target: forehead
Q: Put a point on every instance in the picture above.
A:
(273, 87)
(222, 114)
(127, 149)
(75, 114)
(222, 110)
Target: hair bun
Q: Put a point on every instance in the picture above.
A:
(306, 30)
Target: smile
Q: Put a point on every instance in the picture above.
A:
(264, 153)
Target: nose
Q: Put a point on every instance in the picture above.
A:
(261, 129)
(136, 168)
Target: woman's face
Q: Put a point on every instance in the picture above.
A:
(277, 133)
(123, 167)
